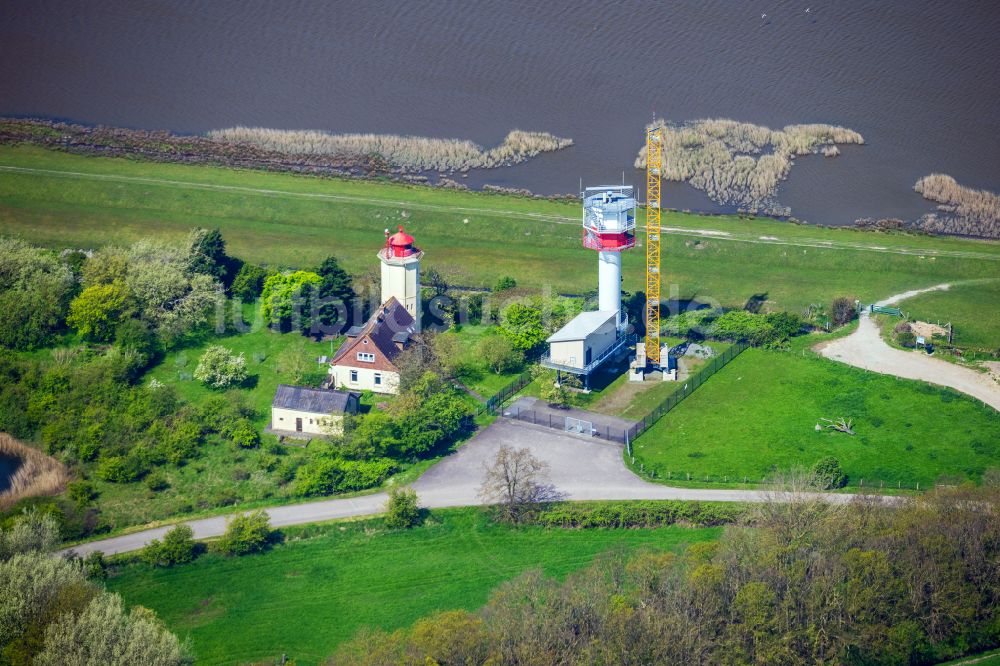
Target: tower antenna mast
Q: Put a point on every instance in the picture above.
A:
(654, 169)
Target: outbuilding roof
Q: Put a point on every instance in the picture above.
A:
(313, 400)
(582, 326)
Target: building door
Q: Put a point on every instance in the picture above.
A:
(587, 357)
(298, 425)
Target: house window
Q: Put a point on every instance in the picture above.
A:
(367, 357)
(354, 376)
(378, 379)
(310, 421)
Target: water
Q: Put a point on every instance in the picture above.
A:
(8, 465)
(919, 79)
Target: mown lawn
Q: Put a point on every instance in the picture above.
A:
(758, 415)
(973, 310)
(471, 238)
(305, 597)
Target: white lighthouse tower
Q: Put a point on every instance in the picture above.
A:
(401, 272)
(592, 338)
(609, 228)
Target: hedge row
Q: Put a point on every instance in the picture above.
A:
(636, 514)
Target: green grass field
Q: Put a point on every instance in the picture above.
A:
(305, 597)
(758, 415)
(286, 220)
(973, 310)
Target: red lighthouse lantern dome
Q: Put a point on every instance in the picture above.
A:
(400, 244)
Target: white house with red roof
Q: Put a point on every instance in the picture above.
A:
(366, 361)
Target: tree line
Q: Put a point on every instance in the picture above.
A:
(802, 582)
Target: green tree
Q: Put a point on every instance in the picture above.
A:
(249, 282)
(522, 325)
(177, 547)
(172, 299)
(285, 299)
(499, 354)
(35, 289)
(401, 509)
(221, 368)
(207, 255)
(97, 311)
(337, 288)
(103, 633)
(247, 533)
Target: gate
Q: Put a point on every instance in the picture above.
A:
(580, 426)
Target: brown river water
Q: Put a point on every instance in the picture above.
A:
(918, 79)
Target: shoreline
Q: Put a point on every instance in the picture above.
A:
(161, 146)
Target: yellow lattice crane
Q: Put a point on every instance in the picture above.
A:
(654, 170)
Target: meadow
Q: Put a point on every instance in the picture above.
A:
(307, 595)
(295, 221)
(971, 308)
(758, 415)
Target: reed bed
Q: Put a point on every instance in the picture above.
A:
(37, 475)
(741, 164)
(962, 210)
(416, 153)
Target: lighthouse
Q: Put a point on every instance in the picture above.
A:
(594, 337)
(609, 228)
(400, 260)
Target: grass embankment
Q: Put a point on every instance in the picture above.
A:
(758, 415)
(296, 221)
(306, 596)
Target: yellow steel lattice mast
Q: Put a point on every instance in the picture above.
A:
(654, 169)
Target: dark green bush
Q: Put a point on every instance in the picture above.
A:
(829, 473)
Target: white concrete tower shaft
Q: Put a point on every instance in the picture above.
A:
(609, 281)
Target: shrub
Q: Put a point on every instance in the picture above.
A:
(177, 547)
(81, 492)
(220, 368)
(245, 435)
(843, 311)
(335, 475)
(120, 469)
(505, 283)
(95, 566)
(636, 514)
(245, 534)
(903, 333)
(156, 482)
(401, 508)
(829, 474)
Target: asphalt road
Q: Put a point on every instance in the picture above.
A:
(581, 468)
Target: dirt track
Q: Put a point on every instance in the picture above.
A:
(865, 348)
